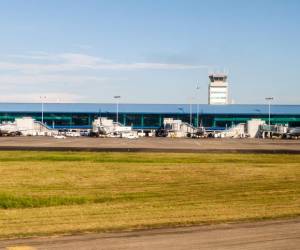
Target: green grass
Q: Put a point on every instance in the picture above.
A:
(44, 193)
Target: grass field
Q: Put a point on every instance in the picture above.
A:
(44, 193)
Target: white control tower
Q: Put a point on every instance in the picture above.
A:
(218, 89)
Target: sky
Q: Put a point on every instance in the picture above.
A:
(148, 51)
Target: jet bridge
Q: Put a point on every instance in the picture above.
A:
(102, 126)
(177, 128)
(268, 131)
(25, 126)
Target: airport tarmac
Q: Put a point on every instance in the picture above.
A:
(281, 234)
(151, 144)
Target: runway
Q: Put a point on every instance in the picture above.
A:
(281, 234)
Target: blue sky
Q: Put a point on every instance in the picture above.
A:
(148, 51)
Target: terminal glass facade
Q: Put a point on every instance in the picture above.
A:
(149, 116)
(148, 121)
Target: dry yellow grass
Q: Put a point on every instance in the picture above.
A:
(45, 193)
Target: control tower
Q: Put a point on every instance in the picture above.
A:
(218, 89)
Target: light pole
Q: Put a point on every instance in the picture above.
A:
(197, 89)
(42, 100)
(269, 99)
(117, 97)
(191, 116)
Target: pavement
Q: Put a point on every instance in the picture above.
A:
(279, 234)
(151, 144)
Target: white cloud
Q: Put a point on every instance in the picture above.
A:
(51, 97)
(28, 75)
(44, 62)
(80, 59)
(50, 79)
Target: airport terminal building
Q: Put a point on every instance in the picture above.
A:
(148, 116)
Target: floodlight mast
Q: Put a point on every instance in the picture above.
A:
(42, 98)
(269, 99)
(197, 89)
(117, 97)
(191, 116)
